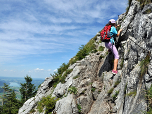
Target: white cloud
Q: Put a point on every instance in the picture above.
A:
(85, 11)
(38, 69)
(57, 20)
(55, 70)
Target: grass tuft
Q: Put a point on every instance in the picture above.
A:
(144, 66)
(132, 93)
(48, 103)
(72, 90)
(110, 91)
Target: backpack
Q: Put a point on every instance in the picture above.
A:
(105, 34)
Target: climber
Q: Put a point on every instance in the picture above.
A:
(110, 45)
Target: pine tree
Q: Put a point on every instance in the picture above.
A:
(27, 89)
(10, 104)
(13, 103)
(6, 92)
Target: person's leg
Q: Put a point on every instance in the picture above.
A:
(107, 45)
(115, 52)
(115, 64)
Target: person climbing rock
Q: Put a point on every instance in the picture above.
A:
(110, 45)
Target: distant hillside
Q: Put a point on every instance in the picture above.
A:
(1, 82)
(18, 80)
(1, 90)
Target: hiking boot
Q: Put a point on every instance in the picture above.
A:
(114, 72)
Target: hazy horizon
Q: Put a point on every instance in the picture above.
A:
(19, 77)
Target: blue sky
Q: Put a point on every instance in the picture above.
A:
(37, 36)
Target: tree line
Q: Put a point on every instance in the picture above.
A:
(10, 104)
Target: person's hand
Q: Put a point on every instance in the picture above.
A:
(120, 30)
(118, 26)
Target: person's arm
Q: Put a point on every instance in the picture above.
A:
(117, 26)
(119, 32)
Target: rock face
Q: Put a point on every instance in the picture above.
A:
(98, 90)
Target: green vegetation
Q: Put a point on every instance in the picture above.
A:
(117, 82)
(148, 11)
(93, 89)
(14, 84)
(101, 48)
(144, 66)
(114, 97)
(118, 28)
(58, 77)
(149, 111)
(27, 89)
(102, 56)
(72, 90)
(100, 41)
(79, 108)
(48, 103)
(72, 60)
(110, 91)
(132, 93)
(17, 92)
(149, 96)
(90, 46)
(76, 77)
(10, 105)
(10, 102)
(122, 62)
(68, 71)
(129, 4)
(62, 68)
(144, 2)
(84, 50)
(32, 111)
(149, 99)
(99, 91)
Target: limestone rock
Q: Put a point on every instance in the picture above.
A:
(67, 105)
